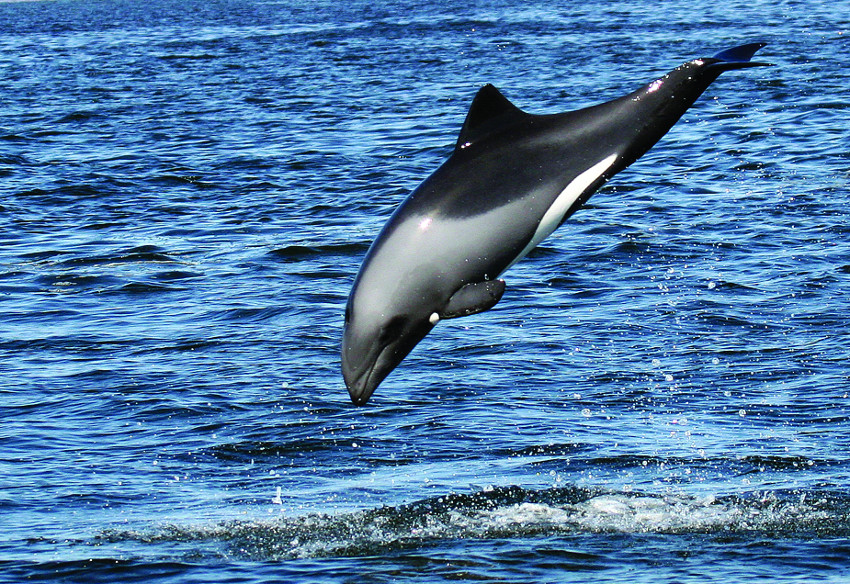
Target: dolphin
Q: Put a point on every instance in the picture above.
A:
(511, 180)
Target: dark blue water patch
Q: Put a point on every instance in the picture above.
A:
(68, 193)
(189, 57)
(81, 116)
(195, 180)
(143, 289)
(70, 344)
(15, 138)
(731, 321)
(630, 248)
(78, 282)
(545, 450)
(178, 345)
(289, 453)
(103, 225)
(250, 163)
(10, 163)
(43, 255)
(98, 570)
(299, 253)
(250, 314)
(45, 315)
(131, 255)
(172, 275)
(16, 278)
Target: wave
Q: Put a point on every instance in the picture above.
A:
(298, 253)
(513, 512)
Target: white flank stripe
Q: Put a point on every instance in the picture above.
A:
(565, 200)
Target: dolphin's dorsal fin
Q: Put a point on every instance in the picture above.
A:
(474, 298)
(490, 110)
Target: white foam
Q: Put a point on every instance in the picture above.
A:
(462, 517)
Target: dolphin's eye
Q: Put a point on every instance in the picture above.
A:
(393, 329)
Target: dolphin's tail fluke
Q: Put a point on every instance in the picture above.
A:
(738, 58)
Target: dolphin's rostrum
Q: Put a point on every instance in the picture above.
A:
(512, 179)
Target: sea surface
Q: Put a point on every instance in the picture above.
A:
(187, 189)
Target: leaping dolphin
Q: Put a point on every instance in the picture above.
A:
(512, 179)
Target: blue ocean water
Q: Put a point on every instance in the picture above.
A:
(188, 189)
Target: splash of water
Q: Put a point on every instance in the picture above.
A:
(509, 512)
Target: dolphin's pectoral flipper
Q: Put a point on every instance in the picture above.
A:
(474, 298)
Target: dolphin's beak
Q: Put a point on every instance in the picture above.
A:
(367, 359)
(360, 370)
